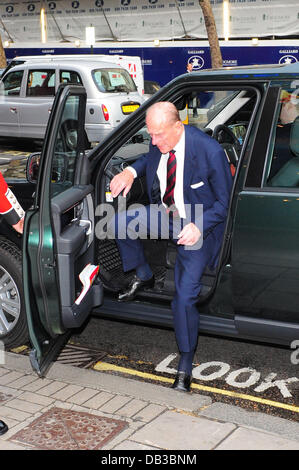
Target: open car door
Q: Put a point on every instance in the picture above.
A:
(58, 245)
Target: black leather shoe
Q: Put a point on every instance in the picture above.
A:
(135, 285)
(182, 382)
(3, 428)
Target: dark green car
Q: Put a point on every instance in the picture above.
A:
(253, 293)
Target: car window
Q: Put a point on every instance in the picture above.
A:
(12, 83)
(69, 76)
(223, 114)
(40, 83)
(63, 166)
(208, 108)
(113, 80)
(284, 168)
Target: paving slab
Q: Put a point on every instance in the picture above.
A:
(239, 416)
(250, 439)
(174, 430)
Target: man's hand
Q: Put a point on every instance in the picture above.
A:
(189, 235)
(121, 182)
(19, 226)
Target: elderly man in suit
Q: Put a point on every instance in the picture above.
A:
(188, 170)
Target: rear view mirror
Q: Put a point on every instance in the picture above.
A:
(181, 103)
(32, 167)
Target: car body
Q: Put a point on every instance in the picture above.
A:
(252, 294)
(28, 92)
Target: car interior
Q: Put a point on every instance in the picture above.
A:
(288, 174)
(225, 115)
(284, 168)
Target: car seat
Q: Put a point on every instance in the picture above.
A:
(288, 175)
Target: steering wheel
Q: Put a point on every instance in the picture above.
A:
(219, 134)
(233, 147)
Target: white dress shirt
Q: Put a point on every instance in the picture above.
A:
(179, 181)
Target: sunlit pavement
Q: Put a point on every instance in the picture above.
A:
(76, 408)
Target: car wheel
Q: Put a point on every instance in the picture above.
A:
(13, 322)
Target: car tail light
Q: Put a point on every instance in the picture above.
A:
(105, 112)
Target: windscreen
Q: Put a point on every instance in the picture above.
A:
(113, 80)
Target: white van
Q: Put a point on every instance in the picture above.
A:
(28, 92)
(131, 63)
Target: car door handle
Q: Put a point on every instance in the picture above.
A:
(86, 224)
(13, 110)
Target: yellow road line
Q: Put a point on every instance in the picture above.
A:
(103, 366)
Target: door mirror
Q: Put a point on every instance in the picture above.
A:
(32, 167)
(58, 170)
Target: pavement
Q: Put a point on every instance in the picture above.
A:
(83, 409)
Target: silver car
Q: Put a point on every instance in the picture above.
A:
(28, 90)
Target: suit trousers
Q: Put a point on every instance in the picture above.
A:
(153, 222)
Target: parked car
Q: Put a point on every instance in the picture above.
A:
(253, 293)
(131, 63)
(28, 92)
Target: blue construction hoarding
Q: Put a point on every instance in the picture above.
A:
(163, 63)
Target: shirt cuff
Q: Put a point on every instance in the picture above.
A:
(132, 170)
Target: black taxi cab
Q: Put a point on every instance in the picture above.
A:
(253, 292)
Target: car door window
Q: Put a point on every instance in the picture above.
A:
(224, 114)
(64, 160)
(12, 83)
(203, 106)
(70, 76)
(284, 169)
(40, 83)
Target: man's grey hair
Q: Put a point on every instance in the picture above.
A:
(165, 111)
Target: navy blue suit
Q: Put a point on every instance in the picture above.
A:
(206, 169)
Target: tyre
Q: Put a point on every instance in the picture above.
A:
(13, 322)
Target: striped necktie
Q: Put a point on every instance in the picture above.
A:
(168, 197)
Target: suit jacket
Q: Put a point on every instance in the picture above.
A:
(207, 177)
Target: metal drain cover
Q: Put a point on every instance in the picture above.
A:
(80, 356)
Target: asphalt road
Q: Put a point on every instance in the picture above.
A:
(254, 376)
